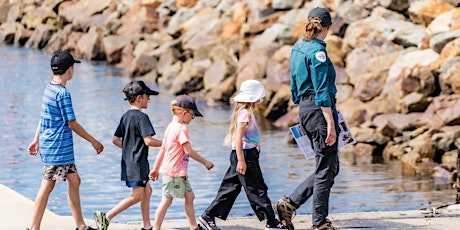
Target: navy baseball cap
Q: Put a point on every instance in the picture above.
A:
(136, 88)
(61, 61)
(185, 101)
(321, 13)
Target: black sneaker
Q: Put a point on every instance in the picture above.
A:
(208, 222)
(150, 228)
(88, 228)
(200, 228)
(275, 225)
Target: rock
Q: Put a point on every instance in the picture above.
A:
(223, 91)
(186, 3)
(187, 81)
(369, 86)
(388, 129)
(39, 37)
(90, 45)
(404, 78)
(414, 102)
(364, 153)
(278, 103)
(360, 61)
(79, 13)
(141, 65)
(4, 9)
(450, 50)
(424, 11)
(169, 74)
(370, 136)
(113, 46)
(393, 151)
(8, 31)
(409, 163)
(444, 110)
(449, 77)
(438, 41)
(138, 20)
(445, 139)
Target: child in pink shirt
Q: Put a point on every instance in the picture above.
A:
(174, 154)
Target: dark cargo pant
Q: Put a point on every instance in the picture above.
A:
(253, 184)
(320, 182)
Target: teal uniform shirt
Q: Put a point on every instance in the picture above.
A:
(312, 72)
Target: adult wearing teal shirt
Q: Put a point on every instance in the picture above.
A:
(313, 88)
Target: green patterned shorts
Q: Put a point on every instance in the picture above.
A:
(175, 187)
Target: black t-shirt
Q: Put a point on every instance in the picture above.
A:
(134, 126)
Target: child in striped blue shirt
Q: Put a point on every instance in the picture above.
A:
(53, 140)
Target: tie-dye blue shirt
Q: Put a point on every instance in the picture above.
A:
(251, 137)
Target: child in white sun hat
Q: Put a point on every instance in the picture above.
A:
(244, 170)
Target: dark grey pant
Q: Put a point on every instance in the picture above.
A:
(253, 184)
(320, 182)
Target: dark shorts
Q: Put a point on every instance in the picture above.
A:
(132, 184)
(58, 172)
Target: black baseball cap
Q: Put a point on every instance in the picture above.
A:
(61, 61)
(321, 13)
(185, 101)
(136, 88)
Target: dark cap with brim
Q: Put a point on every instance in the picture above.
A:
(321, 13)
(185, 101)
(136, 88)
(61, 61)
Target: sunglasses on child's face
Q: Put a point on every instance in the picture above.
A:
(193, 115)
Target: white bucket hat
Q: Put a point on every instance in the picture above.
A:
(250, 91)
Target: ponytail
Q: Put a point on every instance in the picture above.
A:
(313, 27)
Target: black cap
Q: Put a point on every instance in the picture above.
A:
(321, 13)
(185, 101)
(136, 88)
(61, 61)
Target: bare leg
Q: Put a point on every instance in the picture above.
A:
(74, 199)
(136, 196)
(190, 210)
(145, 206)
(161, 212)
(41, 200)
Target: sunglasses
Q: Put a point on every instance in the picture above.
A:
(193, 115)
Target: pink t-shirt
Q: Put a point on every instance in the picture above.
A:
(175, 161)
(251, 137)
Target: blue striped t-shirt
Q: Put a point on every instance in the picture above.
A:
(55, 142)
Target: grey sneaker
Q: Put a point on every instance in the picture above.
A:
(208, 222)
(285, 210)
(102, 222)
(326, 226)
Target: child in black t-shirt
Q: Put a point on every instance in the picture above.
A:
(134, 136)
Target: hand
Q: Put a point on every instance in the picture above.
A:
(209, 165)
(241, 167)
(331, 134)
(153, 175)
(33, 148)
(98, 146)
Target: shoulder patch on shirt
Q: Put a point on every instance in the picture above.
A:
(320, 56)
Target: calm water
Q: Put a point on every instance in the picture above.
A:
(98, 103)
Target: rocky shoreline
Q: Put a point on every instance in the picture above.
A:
(397, 61)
